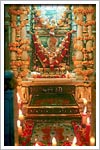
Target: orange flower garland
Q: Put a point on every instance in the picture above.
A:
(79, 22)
(90, 23)
(20, 44)
(17, 45)
(19, 11)
(83, 10)
(86, 24)
(87, 64)
(85, 37)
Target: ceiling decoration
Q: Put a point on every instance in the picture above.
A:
(51, 16)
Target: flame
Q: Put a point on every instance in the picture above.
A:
(67, 72)
(35, 139)
(85, 110)
(54, 142)
(92, 141)
(74, 141)
(20, 112)
(21, 116)
(36, 144)
(18, 123)
(84, 101)
(18, 98)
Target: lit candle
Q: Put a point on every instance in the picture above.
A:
(67, 74)
(74, 141)
(36, 140)
(88, 126)
(21, 116)
(18, 123)
(36, 144)
(19, 100)
(54, 142)
(92, 141)
(84, 116)
(19, 127)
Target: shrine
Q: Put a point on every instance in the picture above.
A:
(50, 71)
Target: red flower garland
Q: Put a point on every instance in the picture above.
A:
(45, 59)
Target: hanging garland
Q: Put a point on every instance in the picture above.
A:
(19, 44)
(86, 24)
(83, 11)
(24, 10)
(55, 58)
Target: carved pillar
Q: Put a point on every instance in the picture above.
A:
(84, 43)
(78, 42)
(83, 91)
(13, 55)
(19, 45)
(25, 46)
(89, 43)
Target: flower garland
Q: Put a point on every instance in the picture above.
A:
(19, 27)
(86, 24)
(83, 10)
(86, 37)
(19, 63)
(81, 48)
(28, 126)
(85, 66)
(19, 11)
(54, 59)
(19, 45)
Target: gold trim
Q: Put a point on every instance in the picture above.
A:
(53, 115)
(54, 81)
(62, 107)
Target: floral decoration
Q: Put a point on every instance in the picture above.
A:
(19, 11)
(25, 138)
(56, 56)
(86, 24)
(83, 10)
(85, 67)
(20, 44)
